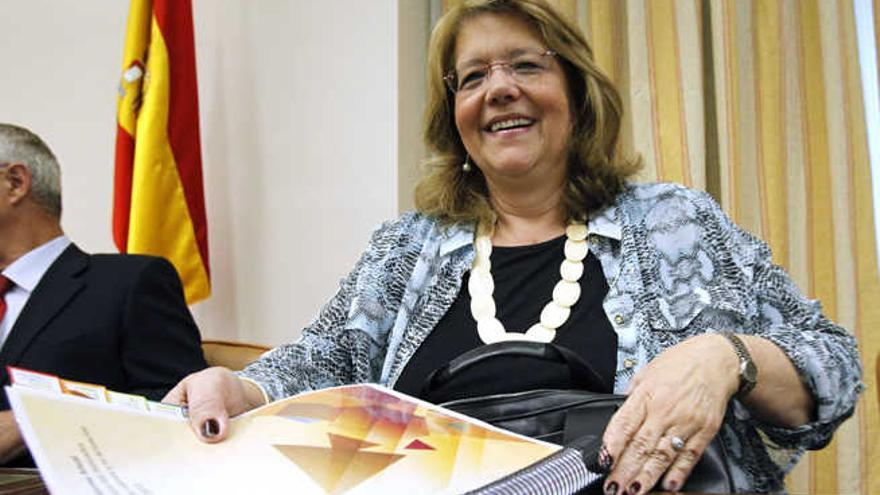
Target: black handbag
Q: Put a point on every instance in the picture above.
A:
(566, 413)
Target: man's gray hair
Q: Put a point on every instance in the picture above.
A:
(19, 145)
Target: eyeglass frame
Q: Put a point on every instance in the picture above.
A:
(450, 76)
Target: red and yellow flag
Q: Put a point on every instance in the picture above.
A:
(158, 201)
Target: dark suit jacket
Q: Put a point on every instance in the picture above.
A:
(115, 320)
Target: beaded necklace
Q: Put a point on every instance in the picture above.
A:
(565, 294)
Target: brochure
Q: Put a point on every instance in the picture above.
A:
(356, 439)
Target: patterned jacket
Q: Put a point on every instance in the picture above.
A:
(676, 267)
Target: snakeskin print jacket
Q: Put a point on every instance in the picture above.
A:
(676, 267)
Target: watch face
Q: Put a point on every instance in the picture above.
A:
(749, 371)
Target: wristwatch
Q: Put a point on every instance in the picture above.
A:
(748, 372)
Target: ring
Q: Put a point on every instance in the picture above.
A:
(677, 443)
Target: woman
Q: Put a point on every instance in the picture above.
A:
(676, 304)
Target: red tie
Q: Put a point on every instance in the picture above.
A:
(5, 285)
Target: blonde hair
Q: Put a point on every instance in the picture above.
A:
(596, 172)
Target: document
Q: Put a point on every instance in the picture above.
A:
(356, 439)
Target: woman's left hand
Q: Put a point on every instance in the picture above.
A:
(682, 394)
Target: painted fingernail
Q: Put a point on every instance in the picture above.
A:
(672, 486)
(210, 428)
(634, 488)
(611, 489)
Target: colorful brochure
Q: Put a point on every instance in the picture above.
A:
(356, 439)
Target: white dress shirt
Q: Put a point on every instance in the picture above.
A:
(25, 273)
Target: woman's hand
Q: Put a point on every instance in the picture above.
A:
(682, 394)
(213, 396)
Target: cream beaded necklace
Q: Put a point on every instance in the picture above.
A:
(555, 313)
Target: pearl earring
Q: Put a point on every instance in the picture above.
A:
(466, 166)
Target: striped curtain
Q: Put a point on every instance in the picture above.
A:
(759, 102)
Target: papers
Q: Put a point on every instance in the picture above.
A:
(357, 439)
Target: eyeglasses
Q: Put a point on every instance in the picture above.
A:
(526, 67)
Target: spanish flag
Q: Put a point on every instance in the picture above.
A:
(158, 202)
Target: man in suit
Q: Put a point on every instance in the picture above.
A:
(116, 320)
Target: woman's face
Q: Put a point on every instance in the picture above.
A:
(512, 129)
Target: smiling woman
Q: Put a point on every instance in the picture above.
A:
(553, 71)
(528, 229)
(515, 123)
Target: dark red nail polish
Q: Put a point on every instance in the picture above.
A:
(672, 486)
(634, 488)
(611, 489)
(210, 428)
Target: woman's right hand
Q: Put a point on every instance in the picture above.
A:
(213, 396)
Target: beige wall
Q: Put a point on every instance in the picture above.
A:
(304, 125)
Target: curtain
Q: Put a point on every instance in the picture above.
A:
(759, 102)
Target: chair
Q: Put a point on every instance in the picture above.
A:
(231, 354)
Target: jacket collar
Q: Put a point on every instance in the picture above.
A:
(455, 237)
(60, 284)
(605, 223)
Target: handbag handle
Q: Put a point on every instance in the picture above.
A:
(582, 373)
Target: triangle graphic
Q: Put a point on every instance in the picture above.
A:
(334, 470)
(340, 443)
(419, 445)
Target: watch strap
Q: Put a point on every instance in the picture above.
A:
(747, 369)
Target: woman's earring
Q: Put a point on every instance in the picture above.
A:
(466, 166)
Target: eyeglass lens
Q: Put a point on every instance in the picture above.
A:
(525, 68)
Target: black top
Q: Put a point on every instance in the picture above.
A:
(524, 280)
